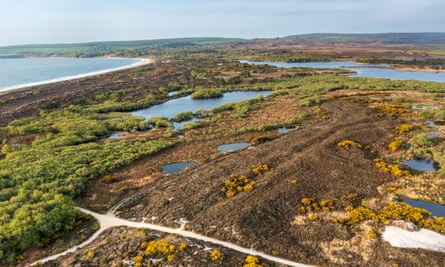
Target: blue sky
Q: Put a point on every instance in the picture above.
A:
(63, 21)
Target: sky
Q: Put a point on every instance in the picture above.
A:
(72, 21)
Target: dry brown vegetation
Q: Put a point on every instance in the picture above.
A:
(310, 163)
(309, 155)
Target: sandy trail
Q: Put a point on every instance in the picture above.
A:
(108, 220)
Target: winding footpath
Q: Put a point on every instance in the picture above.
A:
(109, 220)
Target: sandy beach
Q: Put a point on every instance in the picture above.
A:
(140, 62)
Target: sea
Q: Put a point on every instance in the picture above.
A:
(22, 72)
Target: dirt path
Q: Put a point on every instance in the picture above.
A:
(108, 220)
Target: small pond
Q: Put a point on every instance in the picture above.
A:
(170, 108)
(232, 147)
(430, 123)
(283, 130)
(115, 136)
(435, 133)
(435, 209)
(423, 107)
(425, 165)
(176, 167)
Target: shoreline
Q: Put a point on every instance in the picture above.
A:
(401, 68)
(20, 87)
(414, 69)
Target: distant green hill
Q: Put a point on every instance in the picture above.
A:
(373, 37)
(90, 48)
(106, 48)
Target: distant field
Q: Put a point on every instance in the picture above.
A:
(96, 47)
(381, 37)
(435, 52)
(433, 41)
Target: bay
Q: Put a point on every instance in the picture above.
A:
(22, 72)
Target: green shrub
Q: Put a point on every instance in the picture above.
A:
(259, 140)
(183, 116)
(207, 93)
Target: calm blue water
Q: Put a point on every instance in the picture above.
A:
(20, 72)
(232, 147)
(364, 70)
(170, 108)
(424, 165)
(176, 167)
(435, 209)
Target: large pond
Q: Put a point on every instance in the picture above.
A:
(363, 70)
(170, 108)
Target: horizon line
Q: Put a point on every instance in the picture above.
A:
(215, 37)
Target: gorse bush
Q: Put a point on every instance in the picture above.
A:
(394, 211)
(261, 169)
(160, 248)
(395, 145)
(347, 144)
(238, 184)
(394, 169)
(404, 128)
(312, 205)
(216, 255)
(252, 261)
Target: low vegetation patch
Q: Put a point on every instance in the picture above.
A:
(312, 205)
(394, 169)
(404, 128)
(159, 249)
(394, 211)
(207, 93)
(347, 144)
(238, 184)
(252, 261)
(395, 145)
(216, 255)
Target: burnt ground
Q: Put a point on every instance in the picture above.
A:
(264, 218)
